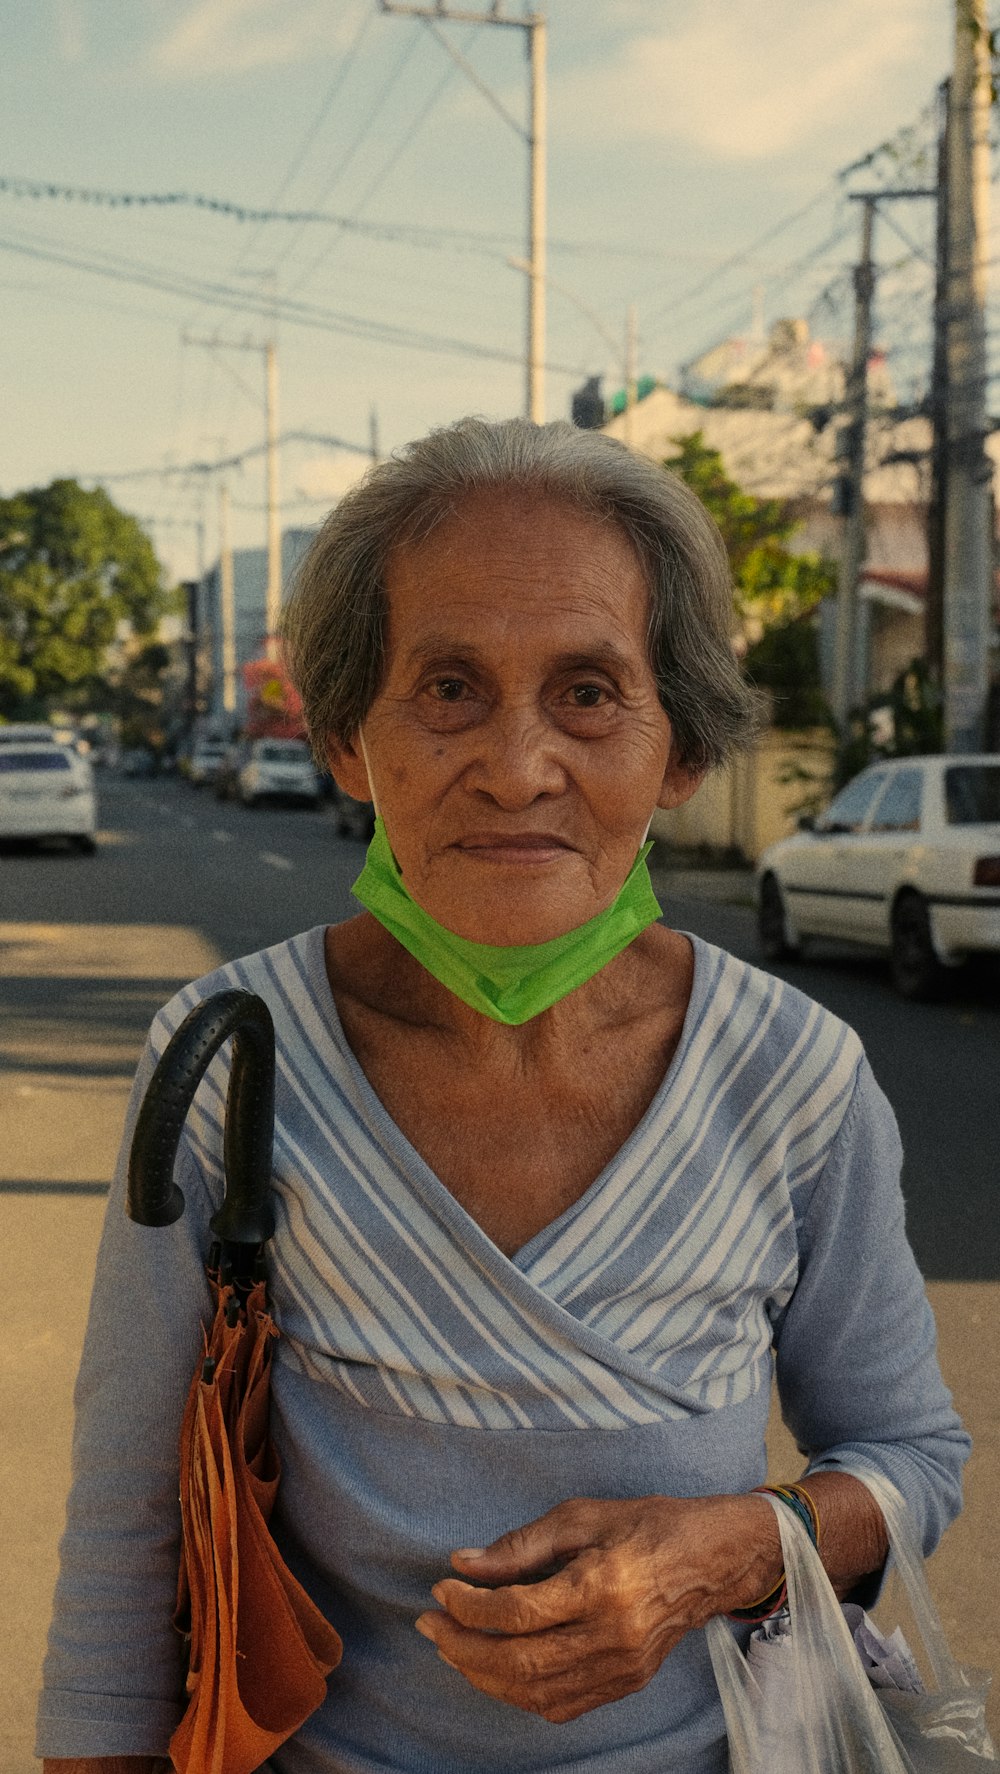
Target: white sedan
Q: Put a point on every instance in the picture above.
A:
(47, 791)
(905, 859)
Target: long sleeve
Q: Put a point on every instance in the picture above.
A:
(113, 1676)
(857, 1368)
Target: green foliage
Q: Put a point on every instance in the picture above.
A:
(785, 661)
(776, 591)
(72, 568)
(906, 723)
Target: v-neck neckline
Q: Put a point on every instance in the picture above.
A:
(410, 1163)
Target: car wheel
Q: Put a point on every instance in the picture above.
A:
(916, 971)
(86, 845)
(772, 930)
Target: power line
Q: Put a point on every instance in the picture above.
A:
(296, 313)
(416, 234)
(381, 176)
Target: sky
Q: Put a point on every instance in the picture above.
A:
(694, 148)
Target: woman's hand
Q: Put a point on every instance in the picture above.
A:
(631, 1579)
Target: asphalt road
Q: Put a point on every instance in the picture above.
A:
(245, 878)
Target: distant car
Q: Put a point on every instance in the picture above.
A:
(27, 732)
(206, 756)
(227, 775)
(47, 791)
(905, 859)
(278, 769)
(137, 760)
(354, 819)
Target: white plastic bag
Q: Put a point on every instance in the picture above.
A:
(811, 1709)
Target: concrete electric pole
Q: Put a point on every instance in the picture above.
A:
(272, 607)
(852, 480)
(849, 671)
(968, 511)
(536, 136)
(227, 607)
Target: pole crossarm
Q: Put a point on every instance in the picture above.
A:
(460, 17)
(883, 195)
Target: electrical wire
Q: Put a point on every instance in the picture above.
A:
(380, 178)
(296, 313)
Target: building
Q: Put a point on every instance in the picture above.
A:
(249, 602)
(793, 453)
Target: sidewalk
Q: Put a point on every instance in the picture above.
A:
(76, 999)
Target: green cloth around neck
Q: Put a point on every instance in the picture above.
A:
(510, 985)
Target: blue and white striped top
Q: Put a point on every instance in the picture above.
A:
(430, 1392)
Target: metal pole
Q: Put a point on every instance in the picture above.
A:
(227, 606)
(272, 610)
(845, 687)
(537, 144)
(968, 540)
(631, 370)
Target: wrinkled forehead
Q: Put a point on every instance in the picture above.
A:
(512, 542)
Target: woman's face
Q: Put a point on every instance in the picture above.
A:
(517, 746)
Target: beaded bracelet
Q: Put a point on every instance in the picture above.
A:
(796, 1498)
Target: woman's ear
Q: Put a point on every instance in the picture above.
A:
(347, 767)
(680, 782)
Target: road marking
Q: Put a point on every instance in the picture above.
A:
(223, 837)
(277, 862)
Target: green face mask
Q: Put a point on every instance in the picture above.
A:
(511, 985)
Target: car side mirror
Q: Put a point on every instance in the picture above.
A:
(806, 822)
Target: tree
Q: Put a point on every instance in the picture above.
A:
(776, 592)
(73, 567)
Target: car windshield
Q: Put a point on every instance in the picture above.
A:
(972, 794)
(49, 759)
(290, 753)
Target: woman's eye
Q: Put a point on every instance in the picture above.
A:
(448, 689)
(587, 695)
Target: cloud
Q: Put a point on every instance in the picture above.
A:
(329, 476)
(739, 80)
(216, 37)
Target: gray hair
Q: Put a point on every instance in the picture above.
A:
(334, 624)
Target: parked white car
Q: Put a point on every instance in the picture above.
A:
(47, 791)
(206, 756)
(906, 859)
(278, 769)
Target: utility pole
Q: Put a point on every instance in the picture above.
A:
(631, 370)
(272, 600)
(272, 607)
(934, 606)
(852, 479)
(968, 523)
(536, 136)
(850, 673)
(227, 607)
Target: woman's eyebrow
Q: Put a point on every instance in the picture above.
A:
(603, 656)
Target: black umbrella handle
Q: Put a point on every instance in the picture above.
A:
(153, 1198)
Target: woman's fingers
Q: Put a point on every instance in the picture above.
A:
(522, 1608)
(564, 1530)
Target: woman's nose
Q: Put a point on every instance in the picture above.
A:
(516, 758)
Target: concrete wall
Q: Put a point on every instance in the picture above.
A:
(757, 799)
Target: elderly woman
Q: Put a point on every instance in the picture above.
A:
(555, 1184)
